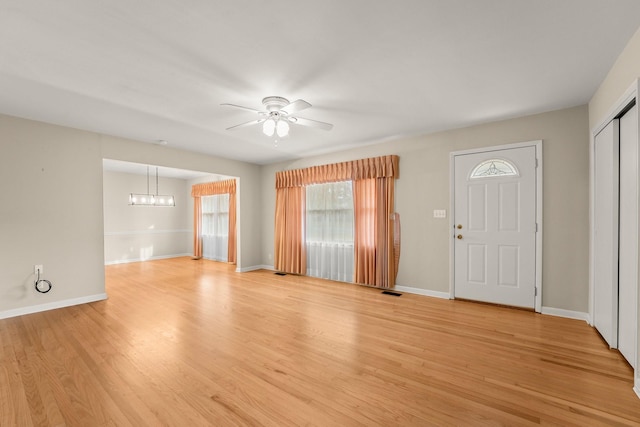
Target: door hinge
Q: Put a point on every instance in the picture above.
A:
(536, 227)
(536, 162)
(535, 292)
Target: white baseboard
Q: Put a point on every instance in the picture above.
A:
(126, 261)
(51, 306)
(419, 291)
(254, 268)
(579, 315)
(637, 391)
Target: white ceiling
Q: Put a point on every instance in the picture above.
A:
(159, 70)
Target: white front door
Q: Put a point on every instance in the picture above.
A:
(495, 226)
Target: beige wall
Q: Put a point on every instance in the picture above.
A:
(622, 75)
(142, 232)
(424, 186)
(51, 181)
(50, 213)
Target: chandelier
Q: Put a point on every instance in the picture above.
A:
(148, 199)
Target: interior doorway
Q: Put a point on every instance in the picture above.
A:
(141, 233)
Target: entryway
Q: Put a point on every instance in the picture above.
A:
(496, 229)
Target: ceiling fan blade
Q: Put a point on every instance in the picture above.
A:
(295, 106)
(312, 123)
(245, 108)
(251, 123)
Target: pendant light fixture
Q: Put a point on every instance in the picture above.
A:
(151, 199)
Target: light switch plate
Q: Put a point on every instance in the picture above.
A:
(439, 213)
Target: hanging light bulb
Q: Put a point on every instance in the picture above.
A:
(283, 128)
(269, 127)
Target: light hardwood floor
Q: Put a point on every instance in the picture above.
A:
(189, 343)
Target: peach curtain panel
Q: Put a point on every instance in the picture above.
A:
(374, 240)
(231, 248)
(197, 227)
(211, 189)
(377, 228)
(365, 233)
(290, 253)
(396, 242)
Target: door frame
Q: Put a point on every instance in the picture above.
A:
(537, 144)
(629, 95)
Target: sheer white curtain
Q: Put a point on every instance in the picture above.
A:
(329, 231)
(215, 227)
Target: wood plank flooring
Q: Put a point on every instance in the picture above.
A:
(191, 343)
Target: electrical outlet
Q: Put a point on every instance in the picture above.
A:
(38, 268)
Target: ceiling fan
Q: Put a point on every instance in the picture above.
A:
(278, 114)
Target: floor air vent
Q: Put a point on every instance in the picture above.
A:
(279, 273)
(395, 294)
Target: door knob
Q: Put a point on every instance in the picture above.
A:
(459, 226)
(459, 236)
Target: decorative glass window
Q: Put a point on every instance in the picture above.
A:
(494, 167)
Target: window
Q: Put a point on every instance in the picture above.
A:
(494, 168)
(329, 230)
(215, 227)
(372, 184)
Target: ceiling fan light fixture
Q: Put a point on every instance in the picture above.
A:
(278, 115)
(283, 128)
(268, 127)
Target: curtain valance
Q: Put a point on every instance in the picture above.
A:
(212, 188)
(374, 167)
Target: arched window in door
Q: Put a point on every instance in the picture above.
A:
(494, 168)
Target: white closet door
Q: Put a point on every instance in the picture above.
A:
(605, 246)
(628, 267)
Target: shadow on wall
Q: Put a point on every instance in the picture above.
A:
(21, 292)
